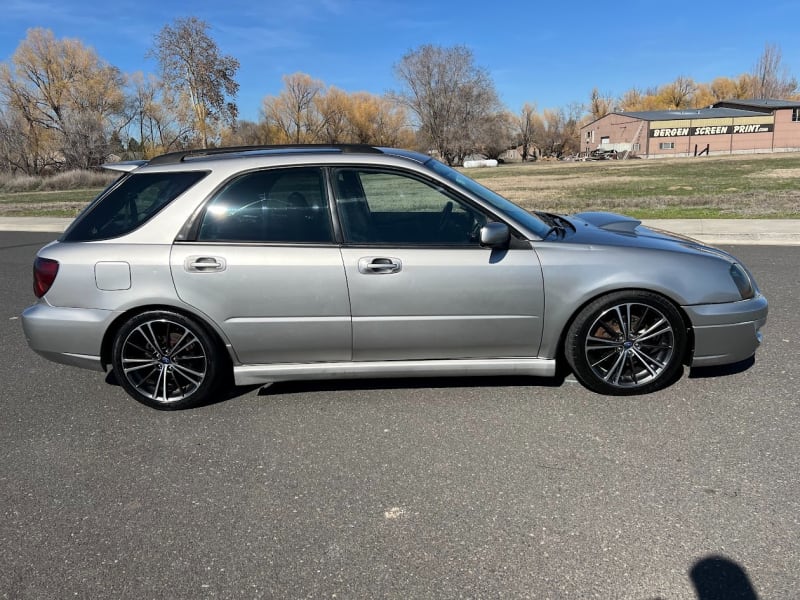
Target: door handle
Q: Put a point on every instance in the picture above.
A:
(204, 264)
(379, 265)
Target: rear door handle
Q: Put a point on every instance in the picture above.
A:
(379, 265)
(204, 264)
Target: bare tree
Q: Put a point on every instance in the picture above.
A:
(390, 124)
(69, 99)
(294, 112)
(571, 141)
(246, 133)
(600, 105)
(496, 135)
(335, 107)
(88, 144)
(561, 130)
(159, 121)
(307, 112)
(680, 93)
(552, 132)
(376, 120)
(525, 126)
(770, 78)
(19, 148)
(632, 100)
(191, 64)
(449, 95)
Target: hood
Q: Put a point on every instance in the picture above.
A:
(610, 221)
(611, 229)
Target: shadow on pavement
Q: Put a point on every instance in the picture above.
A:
(228, 393)
(722, 370)
(718, 578)
(330, 385)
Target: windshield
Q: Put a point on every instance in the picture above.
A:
(503, 205)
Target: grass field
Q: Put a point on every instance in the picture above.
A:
(45, 204)
(751, 186)
(743, 186)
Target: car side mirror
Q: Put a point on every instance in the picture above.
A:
(495, 235)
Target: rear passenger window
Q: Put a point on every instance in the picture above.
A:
(277, 205)
(132, 203)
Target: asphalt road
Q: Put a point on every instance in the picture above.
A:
(483, 488)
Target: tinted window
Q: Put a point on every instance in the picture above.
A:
(133, 202)
(278, 205)
(392, 208)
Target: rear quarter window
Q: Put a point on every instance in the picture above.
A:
(130, 204)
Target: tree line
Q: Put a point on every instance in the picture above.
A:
(63, 107)
(768, 79)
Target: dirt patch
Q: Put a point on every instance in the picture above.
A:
(778, 174)
(574, 181)
(520, 188)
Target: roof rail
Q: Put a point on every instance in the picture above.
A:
(177, 157)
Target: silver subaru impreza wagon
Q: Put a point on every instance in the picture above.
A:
(200, 269)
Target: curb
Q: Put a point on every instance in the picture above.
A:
(776, 232)
(34, 224)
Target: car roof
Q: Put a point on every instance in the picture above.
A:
(267, 150)
(184, 157)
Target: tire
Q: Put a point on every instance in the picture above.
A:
(627, 343)
(166, 360)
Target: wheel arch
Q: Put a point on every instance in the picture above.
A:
(561, 344)
(119, 321)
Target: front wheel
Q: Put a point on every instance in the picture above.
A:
(166, 360)
(626, 343)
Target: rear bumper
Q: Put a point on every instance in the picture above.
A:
(726, 333)
(71, 336)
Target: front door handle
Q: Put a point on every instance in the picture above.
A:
(379, 265)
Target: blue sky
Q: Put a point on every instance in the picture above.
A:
(547, 53)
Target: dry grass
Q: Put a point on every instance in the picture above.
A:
(780, 173)
(59, 195)
(69, 180)
(45, 204)
(743, 186)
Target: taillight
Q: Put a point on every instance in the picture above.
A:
(44, 274)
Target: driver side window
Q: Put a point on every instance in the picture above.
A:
(383, 207)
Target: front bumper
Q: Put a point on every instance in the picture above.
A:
(726, 333)
(71, 336)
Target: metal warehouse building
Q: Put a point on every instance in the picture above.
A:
(728, 127)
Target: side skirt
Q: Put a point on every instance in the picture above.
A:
(259, 374)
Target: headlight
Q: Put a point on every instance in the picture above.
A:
(742, 281)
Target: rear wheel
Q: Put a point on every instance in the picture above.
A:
(627, 343)
(166, 360)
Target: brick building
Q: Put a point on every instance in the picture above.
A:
(728, 127)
